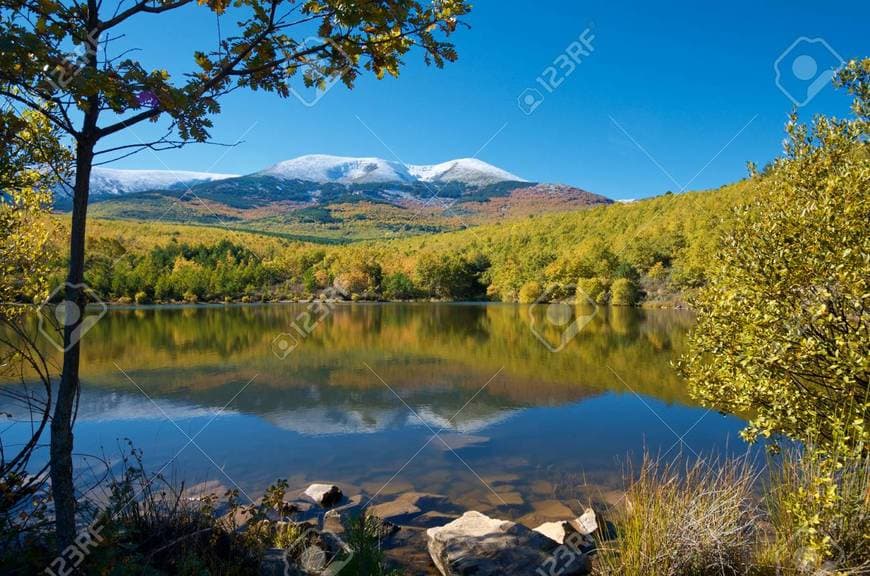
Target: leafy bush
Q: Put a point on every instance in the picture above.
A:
(623, 292)
(783, 333)
(398, 286)
(596, 289)
(529, 292)
(821, 521)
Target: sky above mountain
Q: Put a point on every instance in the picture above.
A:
(667, 96)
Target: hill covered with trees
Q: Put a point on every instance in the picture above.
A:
(652, 251)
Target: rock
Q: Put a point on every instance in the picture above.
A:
(547, 511)
(387, 529)
(555, 530)
(300, 506)
(432, 519)
(493, 479)
(584, 526)
(478, 545)
(332, 523)
(565, 533)
(586, 523)
(406, 506)
(543, 487)
(309, 554)
(327, 495)
(352, 504)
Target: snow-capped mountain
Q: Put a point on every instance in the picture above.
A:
(316, 169)
(469, 171)
(334, 197)
(114, 182)
(339, 169)
(346, 170)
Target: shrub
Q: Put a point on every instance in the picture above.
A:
(364, 535)
(782, 332)
(623, 292)
(657, 272)
(529, 292)
(398, 286)
(142, 298)
(821, 521)
(595, 288)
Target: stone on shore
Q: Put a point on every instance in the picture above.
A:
(586, 524)
(478, 545)
(555, 530)
(560, 530)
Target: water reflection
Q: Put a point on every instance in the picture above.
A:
(366, 389)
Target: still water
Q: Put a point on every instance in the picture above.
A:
(495, 406)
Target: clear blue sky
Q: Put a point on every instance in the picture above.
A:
(679, 79)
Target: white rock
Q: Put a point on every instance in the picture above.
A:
(478, 545)
(327, 495)
(555, 530)
(586, 524)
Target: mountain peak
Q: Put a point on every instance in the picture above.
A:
(339, 169)
(469, 171)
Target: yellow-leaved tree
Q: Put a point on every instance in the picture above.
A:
(29, 159)
(783, 333)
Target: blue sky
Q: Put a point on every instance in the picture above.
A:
(673, 94)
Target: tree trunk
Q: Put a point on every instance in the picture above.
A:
(62, 487)
(62, 484)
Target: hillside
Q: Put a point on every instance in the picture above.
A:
(662, 246)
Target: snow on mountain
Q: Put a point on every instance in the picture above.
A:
(470, 171)
(344, 170)
(115, 182)
(318, 168)
(339, 169)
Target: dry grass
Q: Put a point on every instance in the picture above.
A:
(693, 519)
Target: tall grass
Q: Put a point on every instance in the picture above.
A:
(692, 519)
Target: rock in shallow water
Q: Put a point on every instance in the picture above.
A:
(407, 506)
(326, 495)
(478, 545)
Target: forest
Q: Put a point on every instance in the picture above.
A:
(647, 252)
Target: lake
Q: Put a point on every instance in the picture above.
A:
(499, 407)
